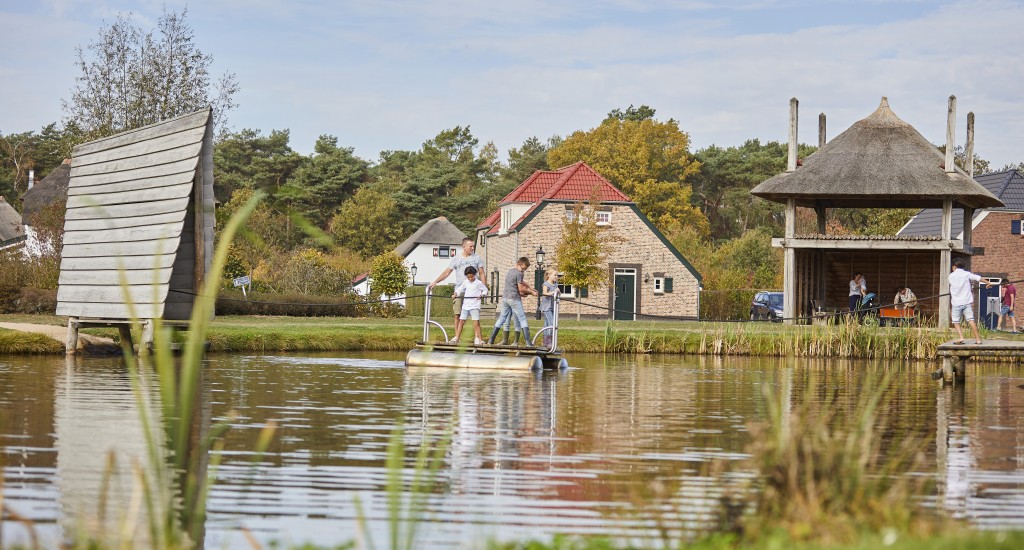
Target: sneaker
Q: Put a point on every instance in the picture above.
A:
(453, 341)
(478, 342)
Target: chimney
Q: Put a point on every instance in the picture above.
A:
(31, 178)
(950, 134)
(821, 130)
(793, 107)
(970, 144)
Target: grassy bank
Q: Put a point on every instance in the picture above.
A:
(265, 334)
(21, 343)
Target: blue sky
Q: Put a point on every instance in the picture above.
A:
(390, 74)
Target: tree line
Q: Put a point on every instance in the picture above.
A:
(327, 214)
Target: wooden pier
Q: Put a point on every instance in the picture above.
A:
(954, 356)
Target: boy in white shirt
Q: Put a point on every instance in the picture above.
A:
(472, 290)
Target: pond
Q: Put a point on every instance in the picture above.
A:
(591, 450)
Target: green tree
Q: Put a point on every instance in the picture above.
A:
(647, 159)
(328, 178)
(642, 112)
(446, 177)
(368, 223)
(722, 188)
(250, 160)
(583, 249)
(388, 277)
(130, 77)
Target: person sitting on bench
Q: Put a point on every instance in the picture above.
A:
(905, 298)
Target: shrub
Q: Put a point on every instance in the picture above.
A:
(289, 304)
(440, 306)
(37, 300)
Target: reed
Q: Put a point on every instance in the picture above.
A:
(825, 474)
(407, 496)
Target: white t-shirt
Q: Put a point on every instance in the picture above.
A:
(960, 287)
(855, 287)
(472, 293)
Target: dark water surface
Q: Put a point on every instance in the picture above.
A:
(618, 445)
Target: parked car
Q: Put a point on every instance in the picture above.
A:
(766, 305)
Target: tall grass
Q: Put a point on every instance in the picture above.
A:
(407, 499)
(829, 471)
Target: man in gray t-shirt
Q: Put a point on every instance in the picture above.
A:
(458, 265)
(512, 301)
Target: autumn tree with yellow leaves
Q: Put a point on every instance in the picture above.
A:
(647, 159)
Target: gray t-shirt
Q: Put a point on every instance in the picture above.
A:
(512, 280)
(459, 264)
(547, 303)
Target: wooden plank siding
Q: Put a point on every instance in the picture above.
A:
(885, 270)
(139, 223)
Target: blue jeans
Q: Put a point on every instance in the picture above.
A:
(510, 307)
(549, 321)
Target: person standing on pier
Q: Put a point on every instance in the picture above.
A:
(961, 300)
(458, 264)
(1006, 310)
(512, 300)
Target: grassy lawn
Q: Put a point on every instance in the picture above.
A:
(272, 333)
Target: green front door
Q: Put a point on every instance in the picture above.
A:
(625, 295)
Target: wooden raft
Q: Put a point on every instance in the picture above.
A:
(954, 356)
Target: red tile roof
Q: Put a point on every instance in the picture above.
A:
(576, 182)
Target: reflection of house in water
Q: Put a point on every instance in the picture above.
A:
(980, 458)
(96, 416)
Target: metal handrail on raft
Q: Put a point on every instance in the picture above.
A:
(427, 321)
(553, 328)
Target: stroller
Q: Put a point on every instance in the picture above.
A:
(868, 307)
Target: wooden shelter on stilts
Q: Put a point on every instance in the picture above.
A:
(879, 162)
(138, 233)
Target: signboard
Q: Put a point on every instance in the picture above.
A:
(241, 281)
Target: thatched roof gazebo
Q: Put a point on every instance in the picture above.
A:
(879, 162)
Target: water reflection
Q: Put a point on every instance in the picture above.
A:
(619, 445)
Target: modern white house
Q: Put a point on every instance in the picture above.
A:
(426, 253)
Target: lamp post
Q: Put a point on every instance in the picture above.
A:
(412, 271)
(538, 278)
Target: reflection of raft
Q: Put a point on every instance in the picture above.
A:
(431, 354)
(490, 357)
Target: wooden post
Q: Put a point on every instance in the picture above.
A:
(71, 344)
(821, 130)
(791, 162)
(970, 144)
(947, 370)
(789, 265)
(821, 214)
(950, 134)
(945, 260)
(125, 332)
(947, 219)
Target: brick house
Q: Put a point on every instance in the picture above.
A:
(998, 240)
(651, 276)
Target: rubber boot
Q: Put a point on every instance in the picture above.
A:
(494, 334)
(526, 336)
(515, 339)
(504, 338)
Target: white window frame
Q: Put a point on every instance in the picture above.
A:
(566, 291)
(607, 214)
(659, 285)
